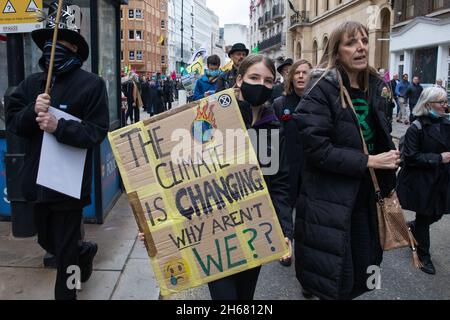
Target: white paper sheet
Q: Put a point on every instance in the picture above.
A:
(61, 166)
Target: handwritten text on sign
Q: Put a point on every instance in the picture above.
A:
(199, 192)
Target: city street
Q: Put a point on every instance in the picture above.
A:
(265, 97)
(122, 269)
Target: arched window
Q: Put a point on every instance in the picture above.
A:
(324, 45)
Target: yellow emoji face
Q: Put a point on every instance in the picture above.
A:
(177, 271)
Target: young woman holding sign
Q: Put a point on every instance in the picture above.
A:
(254, 84)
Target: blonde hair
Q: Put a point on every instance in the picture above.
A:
(428, 94)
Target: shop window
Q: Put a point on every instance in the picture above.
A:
(131, 55)
(138, 35)
(131, 34)
(131, 13)
(425, 64)
(138, 55)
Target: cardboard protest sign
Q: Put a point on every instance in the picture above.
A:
(198, 194)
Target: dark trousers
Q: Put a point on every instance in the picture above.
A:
(59, 234)
(136, 114)
(168, 105)
(123, 118)
(240, 286)
(422, 234)
(129, 114)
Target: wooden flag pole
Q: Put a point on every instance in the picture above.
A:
(52, 55)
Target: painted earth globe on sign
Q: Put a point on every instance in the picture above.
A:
(204, 124)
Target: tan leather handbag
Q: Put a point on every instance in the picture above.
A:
(393, 230)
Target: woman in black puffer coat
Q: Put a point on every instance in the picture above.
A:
(336, 229)
(424, 180)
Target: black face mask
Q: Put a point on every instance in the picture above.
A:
(65, 60)
(255, 94)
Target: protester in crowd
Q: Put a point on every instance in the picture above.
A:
(336, 229)
(284, 106)
(439, 84)
(394, 83)
(402, 99)
(168, 94)
(412, 94)
(206, 85)
(145, 93)
(83, 95)
(155, 99)
(424, 180)
(177, 86)
(134, 99)
(283, 70)
(255, 79)
(237, 54)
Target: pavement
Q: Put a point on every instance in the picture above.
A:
(122, 269)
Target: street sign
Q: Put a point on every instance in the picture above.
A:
(18, 16)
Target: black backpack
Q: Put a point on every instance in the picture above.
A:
(401, 144)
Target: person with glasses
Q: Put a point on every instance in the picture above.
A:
(424, 180)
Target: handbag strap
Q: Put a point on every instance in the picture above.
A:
(371, 170)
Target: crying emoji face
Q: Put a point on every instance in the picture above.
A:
(176, 270)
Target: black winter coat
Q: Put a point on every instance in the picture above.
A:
(277, 184)
(413, 93)
(284, 108)
(226, 80)
(85, 96)
(155, 101)
(335, 167)
(424, 181)
(277, 92)
(168, 91)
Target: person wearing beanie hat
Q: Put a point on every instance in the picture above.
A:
(80, 94)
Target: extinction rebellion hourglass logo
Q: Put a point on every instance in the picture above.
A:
(204, 124)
